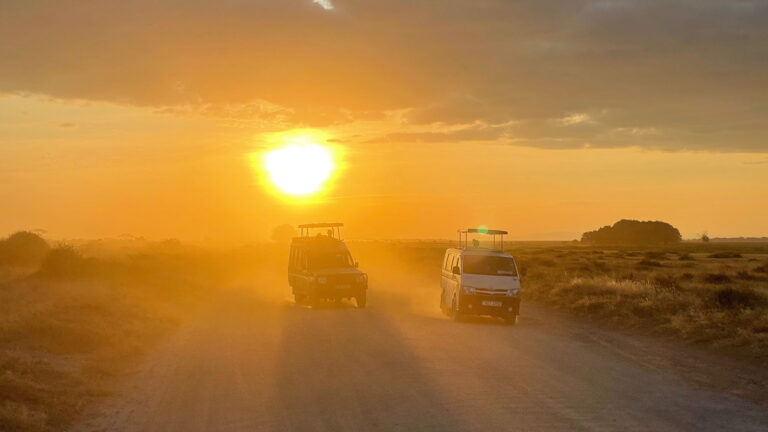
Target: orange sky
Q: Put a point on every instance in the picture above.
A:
(150, 118)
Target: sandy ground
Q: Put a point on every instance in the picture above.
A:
(250, 363)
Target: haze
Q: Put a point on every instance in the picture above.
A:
(544, 118)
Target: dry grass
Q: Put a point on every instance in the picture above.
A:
(718, 298)
(68, 328)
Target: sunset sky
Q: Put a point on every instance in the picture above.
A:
(545, 118)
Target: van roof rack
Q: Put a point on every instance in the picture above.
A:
(333, 232)
(464, 237)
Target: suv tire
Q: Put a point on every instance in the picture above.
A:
(361, 300)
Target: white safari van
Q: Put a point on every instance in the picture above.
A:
(480, 281)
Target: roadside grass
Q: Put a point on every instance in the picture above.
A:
(71, 326)
(696, 293)
(714, 295)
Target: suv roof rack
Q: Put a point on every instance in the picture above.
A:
(333, 232)
(464, 237)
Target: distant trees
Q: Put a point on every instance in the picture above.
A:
(283, 233)
(634, 232)
(23, 248)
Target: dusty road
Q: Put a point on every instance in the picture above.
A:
(250, 365)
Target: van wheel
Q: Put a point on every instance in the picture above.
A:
(299, 298)
(455, 313)
(361, 300)
(511, 320)
(443, 309)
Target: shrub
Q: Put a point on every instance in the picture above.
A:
(686, 276)
(666, 281)
(23, 248)
(762, 269)
(721, 255)
(730, 298)
(648, 263)
(654, 255)
(685, 257)
(716, 278)
(64, 262)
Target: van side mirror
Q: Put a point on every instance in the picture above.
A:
(456, 270)
(357, 264)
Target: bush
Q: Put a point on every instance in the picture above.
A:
(762, 269)
(648, 263)
(720, 255)
(686, 257)
(64, 262)
(716, 278)
(23, 249)
(729, 298)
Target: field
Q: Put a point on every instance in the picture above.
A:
(83, 317)
(709, 294)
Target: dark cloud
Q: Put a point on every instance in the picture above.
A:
(691, 72)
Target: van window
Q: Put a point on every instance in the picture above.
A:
(489, 265)
(331, 259)
(447, 261)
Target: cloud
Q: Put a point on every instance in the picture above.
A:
(693, 72)
(325, 4)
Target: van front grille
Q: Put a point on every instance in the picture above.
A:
(491, 291)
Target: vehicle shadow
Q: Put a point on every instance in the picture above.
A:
(339, 371)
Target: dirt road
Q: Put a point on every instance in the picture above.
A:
(248, 364)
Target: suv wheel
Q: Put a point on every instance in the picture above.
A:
(361, 300)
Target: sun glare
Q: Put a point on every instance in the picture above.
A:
(301, 167)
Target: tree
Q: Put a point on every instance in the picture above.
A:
(634, 232)
(705, 238)
(283, 233)
(23, 248)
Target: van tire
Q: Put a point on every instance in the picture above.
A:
(299, 298)
(511, 320)
(361, 300)
(455, 314)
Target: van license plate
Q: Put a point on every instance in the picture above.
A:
(342, 286)
(491, 303)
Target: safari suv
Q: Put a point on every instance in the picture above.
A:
(480, 281)
(320, 267)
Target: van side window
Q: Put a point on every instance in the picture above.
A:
(447, 261)
(457, 263)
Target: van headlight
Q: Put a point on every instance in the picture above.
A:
(468, 290)
(322, 280)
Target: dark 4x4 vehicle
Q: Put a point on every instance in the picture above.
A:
(320, 267)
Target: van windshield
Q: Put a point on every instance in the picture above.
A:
(489, 265)
(330, 259)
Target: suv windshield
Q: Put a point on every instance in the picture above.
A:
(489, 265)
(330, 259)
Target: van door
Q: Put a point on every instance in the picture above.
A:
(453, 282)
(445, 276)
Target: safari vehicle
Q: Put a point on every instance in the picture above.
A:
(320, 267)
(480, 281)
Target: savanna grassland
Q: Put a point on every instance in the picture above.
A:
(74, 319)
(710, 294)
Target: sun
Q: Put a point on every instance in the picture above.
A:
(300, 167)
